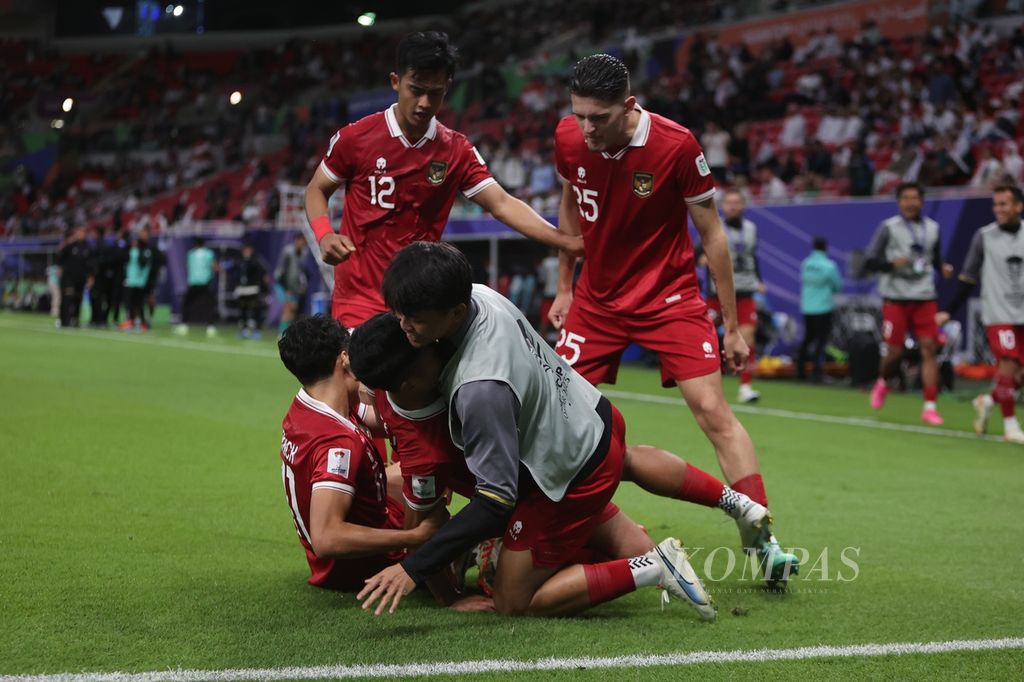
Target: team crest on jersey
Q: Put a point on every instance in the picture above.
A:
(643, 184)
(437, 171)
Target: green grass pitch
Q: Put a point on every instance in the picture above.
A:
(143, 527)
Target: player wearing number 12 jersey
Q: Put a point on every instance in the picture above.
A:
(401, 170)
(629, 177)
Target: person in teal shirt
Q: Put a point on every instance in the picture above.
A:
(200, 302)
(136, 274)
(819, 281)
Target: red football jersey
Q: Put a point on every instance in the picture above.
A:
(431, 464)
(322, 449)
(396, 193)
(632, 205)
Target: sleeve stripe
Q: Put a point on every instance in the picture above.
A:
(480, 186)
(701, 197)
(343, 487)
(415, 506)
(328, 173)
(494, 496)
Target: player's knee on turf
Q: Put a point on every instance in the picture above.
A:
(512, 602)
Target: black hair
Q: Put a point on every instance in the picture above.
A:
(198, 241)
(380, 354)
(820, 244)
(310, 347)
(427, 276)
(426, 52)
(904, 186)
(1012, 189)
(600, 76)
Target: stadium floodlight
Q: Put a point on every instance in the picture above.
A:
(367, 19)
(178, 10)
(57, 123)
(68, 103)
(236, 97)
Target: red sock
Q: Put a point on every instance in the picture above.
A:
(753, 487)
(701, 487)
(931, 392)
(609, 580)
(748, 369)
(1004, 394)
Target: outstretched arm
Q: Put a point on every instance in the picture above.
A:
(520, 217)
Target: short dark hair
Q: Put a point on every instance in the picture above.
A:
(426, 52)
(820, 244)
(427, 276)
(310, 347)
(904, 186)
(600, 76)
(380, 354)
(1012, 189)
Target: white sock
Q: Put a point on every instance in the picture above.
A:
(1010, 424)
(732, 502)
(646, 571)
(929, 405)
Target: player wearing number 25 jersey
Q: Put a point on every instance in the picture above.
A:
(396, 192)
(639, 281)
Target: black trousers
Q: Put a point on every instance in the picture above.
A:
(817, 329)
(70, 303)
(99, 296)
(200, 305)
(136, 303)
(249, 311)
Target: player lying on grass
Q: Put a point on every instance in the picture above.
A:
(546, 448)
(334, 478)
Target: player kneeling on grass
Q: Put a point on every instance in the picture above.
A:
(408, 404)
(546, 449)
(334, 477)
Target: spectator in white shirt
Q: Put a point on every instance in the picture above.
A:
(715, 142)
(1013, 164)
(794, 128)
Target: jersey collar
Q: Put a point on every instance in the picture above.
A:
(640, 135)
(322, 407)
(396, 130)
(433, 409)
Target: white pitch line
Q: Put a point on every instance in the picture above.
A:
(859, 422)
(391, 671)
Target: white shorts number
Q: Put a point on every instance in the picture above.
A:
(1007, 339)
(572, 342)
(587, 201)
(380, 189)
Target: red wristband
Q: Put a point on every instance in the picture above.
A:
(321, 227)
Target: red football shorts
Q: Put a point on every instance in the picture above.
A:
(746, 310)
(556, 532)
(681, 334)
(1006, 341)
(917, 317)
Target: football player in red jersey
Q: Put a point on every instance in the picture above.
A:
(334, 478)
(401, 170)
(629, 179)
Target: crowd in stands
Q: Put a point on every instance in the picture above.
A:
(154, 139)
